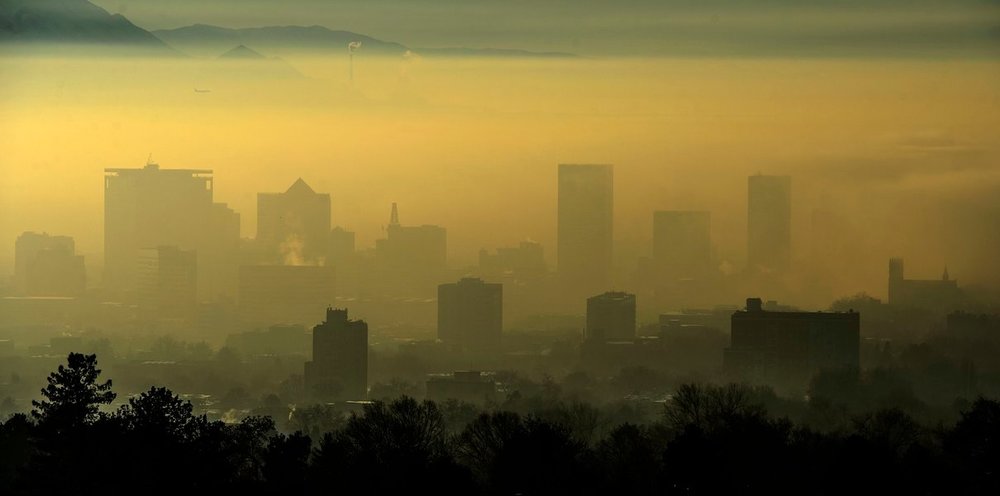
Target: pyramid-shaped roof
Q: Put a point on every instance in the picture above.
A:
(300, 187)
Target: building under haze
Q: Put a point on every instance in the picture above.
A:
(585, 228)
(769, 223)
(339, 365)
(46, 265)
(168, 282)
(291, 294)
(470, 314)
(293, 228)
(788, 348)
(525, 261)
(611, 317)
(341, 249)
(931, 294)
(150, 207)
(411, 258)
(682, 243)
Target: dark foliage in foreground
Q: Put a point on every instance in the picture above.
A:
(711, 440)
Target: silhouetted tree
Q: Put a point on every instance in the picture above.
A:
(975, 443)
(390, 448)
(73, 395)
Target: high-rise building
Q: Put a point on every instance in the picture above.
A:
(611, 316)
(470, 314)
(682, 243)
(168, 279)
(339, 366)
(47, 265)
(151, 207)
(412, 247)
(293, 228)
(769, 223)
(585, 227)
(790, 347)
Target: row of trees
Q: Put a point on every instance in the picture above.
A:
(710, 440)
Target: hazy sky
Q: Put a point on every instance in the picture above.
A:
(625, 27)
(898, 154)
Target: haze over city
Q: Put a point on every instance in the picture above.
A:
(314, 212)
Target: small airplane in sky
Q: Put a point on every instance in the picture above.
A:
(198, 90)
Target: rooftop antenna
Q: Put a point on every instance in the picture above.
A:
(351, 48)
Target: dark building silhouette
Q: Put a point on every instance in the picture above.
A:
(168, 282)
(470, 314)
(682, 243)
(470, 386)
(585, 227)
(931, 294)
(293, 228)
(974, 327)
(47, 265)
(611, 317)
(272, 294)
(339, 365)
(151, 207)
(769, 223)
(788, 348)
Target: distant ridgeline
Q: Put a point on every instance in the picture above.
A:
(76, 22)
(81, 24)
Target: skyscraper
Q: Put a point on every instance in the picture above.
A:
(151, 207)
(411, 259)
(339, 365)
(470, 314)
(585, 220)
(293, 228)
(682, 243)
(769, 223)
(611, 316)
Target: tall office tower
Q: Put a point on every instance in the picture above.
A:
(682, 243)
(339, 366)
(411, 258)
(293, 228)
(168, 278)
(611, 316)
(47, 265)
(769, 223)
(151, 207)
(470, 314)
(584, 248)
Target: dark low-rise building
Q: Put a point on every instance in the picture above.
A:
(788, 348)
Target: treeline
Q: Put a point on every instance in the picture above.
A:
(708, 440)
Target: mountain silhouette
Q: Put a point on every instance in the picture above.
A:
(71, 22)
(205, 39)
(242, 52)
(202, 39)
